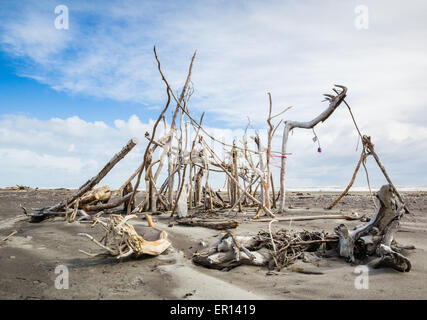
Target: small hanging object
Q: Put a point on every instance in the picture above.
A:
(315, 139)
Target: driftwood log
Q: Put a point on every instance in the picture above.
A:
(111, 204)
(371, 150)
(376, 237)
(101, 194)
(232, 251)
(211, 224)
(361, 159)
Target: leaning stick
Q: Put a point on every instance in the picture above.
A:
(361, 138)
(367, 141)
(240, 247)
(113, 252)
(168, 91)
(362, 158)
(184, 89)
(10, 235)
(241, 196)
(171, 165)
(95, 180)
(369, 184)
(119, 191)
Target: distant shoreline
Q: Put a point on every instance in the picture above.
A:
(301, 189)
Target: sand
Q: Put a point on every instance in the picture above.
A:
(29, 258)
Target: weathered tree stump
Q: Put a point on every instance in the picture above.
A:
(376, 236)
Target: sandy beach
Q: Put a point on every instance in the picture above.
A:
(28, 258)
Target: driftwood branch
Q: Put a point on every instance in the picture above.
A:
(361, 159)
(112, 204)
(211, 224)
(334, 102)
(95, 180)
(371, 150)
(147, 150)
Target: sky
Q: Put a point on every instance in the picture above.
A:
(71, 98)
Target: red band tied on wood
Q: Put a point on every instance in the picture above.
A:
(276, 162)
(274, 156)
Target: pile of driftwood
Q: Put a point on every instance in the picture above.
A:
(186, 151)
(277, 250)
(282, 248)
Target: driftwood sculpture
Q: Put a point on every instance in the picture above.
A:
(187, 190)
(377, 235)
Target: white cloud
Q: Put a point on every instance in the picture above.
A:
(67, 152)
(295, 50)
(48, 152)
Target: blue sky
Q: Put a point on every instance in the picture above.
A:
(71, 98)
(30, 98)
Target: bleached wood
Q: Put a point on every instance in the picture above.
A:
(371, 150)
(376, 236)
(335, 101)
(111, 204)
(96, 179)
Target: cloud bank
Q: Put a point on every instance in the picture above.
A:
(295, 50)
